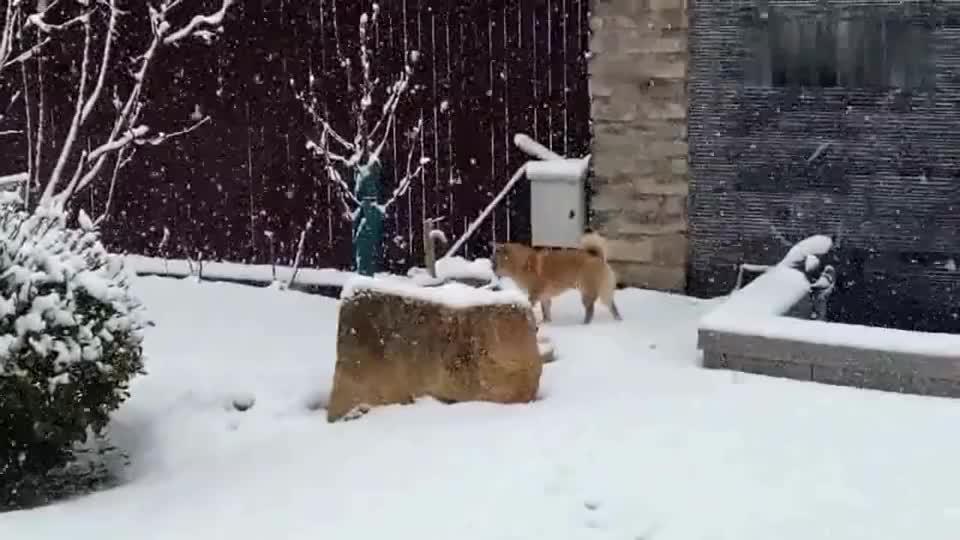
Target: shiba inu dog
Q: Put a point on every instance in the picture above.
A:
(545, 274)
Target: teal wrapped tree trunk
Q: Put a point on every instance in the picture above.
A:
(358, 153)
(368, 220)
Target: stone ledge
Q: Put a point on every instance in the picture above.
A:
(840, 366)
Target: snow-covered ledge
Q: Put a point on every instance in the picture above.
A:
(759, 329)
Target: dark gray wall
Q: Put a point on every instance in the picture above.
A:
(877, 165)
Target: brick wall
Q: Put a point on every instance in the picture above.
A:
(638, 72)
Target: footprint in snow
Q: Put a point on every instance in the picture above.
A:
(242, 401)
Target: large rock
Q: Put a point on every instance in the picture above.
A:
(397, 342)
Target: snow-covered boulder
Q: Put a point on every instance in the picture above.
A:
(69, 344)
(397, 342)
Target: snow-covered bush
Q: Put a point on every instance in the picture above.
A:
(70, 342)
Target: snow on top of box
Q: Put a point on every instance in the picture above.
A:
(561, 170)
(454, 295)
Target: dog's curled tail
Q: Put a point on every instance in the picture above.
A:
(595, 245)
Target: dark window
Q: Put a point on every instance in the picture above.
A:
(846, 50)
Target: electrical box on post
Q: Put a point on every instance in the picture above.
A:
(557, 201)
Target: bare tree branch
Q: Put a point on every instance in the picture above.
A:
(403, 185)
(104, 61)
(30, 145)
(10, 29)
(120, 163)
(164, 137)
(370, 135)
(126, 129)
(310, 107)
(71, 137)
(197, 23)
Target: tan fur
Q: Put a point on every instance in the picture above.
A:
(545, 274)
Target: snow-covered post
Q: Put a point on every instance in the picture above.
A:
(99, 82)
(359, 156)
(432, 236)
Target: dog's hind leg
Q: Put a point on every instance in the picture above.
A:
(614, 311)
(607, 298)
(606, 295)
(588, 303)
(545, 308)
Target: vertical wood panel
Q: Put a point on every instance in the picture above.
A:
(501, 67)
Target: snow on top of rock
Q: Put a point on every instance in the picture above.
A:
(458, 267)
(455, 268)
(453, 295)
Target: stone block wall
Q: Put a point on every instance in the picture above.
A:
(638, 69)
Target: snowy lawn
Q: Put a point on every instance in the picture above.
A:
(630, 440)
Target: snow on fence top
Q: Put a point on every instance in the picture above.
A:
(260, 273)
(758, 310)
(453, 295)
(448, 268)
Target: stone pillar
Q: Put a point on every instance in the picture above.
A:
(638, 70)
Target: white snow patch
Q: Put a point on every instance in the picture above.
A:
(559, 170)
(457, 268)
(772, 293)
(454, 295)
(630, 439)
(534, 149)
(437, 235)
(817, 245)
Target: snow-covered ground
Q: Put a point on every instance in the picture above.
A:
(630, 440)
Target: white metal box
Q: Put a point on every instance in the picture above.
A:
(557, 201)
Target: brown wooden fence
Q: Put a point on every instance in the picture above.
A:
(488, 69)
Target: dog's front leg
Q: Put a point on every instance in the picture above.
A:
(545, 307)
(534, 298)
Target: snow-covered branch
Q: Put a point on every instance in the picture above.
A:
(14, 23)
(199, 25)
(403, 185)
(373, 125)
(128, 99)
